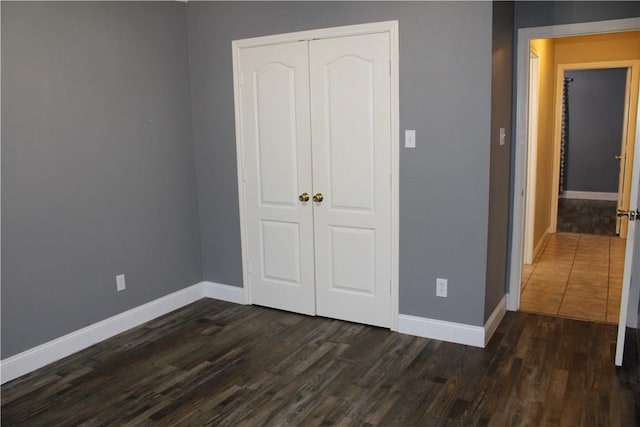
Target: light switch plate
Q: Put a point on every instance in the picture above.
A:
(120, 283)
(409, 139)
(441, 287)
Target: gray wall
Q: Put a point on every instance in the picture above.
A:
(544, 13)
(97, 164)
(596, 111)
(445, 94)
(501, 95)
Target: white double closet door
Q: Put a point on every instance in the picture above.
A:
(316, 119)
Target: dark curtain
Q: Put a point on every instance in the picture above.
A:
(564, 135)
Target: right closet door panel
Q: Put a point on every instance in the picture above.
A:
(350, 89)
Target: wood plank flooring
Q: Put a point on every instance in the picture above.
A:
(220, 364)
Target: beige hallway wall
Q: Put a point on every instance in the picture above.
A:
(545, 50)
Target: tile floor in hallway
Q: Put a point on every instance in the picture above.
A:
(577, 276)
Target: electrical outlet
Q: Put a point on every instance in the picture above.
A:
(120, 283)
(441, 287)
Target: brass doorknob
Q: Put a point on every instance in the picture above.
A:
(632, 214)
(318, 197)
(304, 197)
(618, 157)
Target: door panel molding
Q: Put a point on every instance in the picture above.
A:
(387, 27)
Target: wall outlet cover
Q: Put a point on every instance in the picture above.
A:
(441, 287)
(120, 283)
(410, 139)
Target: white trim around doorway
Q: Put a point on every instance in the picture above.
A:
(532, 155)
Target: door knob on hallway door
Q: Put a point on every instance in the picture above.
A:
(318, 197)
(304, 197)
(633, 215)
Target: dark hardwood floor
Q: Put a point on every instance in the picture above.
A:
(220, 364)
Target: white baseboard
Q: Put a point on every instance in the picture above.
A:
(540, 244)
(224, 292)
(37, 357)
(494, 320)
(589, 195)
(459, 333)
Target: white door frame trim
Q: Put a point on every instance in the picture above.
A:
(532, 157)
(390, 27)
(525, 35)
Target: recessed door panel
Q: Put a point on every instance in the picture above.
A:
(277, 153)
(349, 91)
(352, 260)
(275, 106)
(280, 252)
(351, 134)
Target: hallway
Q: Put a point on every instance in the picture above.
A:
(578, 276)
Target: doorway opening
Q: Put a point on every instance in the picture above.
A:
(573, 266)
(593, 140)
(555, 256)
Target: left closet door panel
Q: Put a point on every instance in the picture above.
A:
(276, 142)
